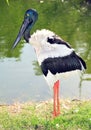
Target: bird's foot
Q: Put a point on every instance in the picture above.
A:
(55, 114)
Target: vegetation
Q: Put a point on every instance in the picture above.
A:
(81, 1)
(75, 115)
(7, 2)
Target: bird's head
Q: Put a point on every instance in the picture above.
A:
(30, 18)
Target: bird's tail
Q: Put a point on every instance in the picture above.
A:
(82, 62)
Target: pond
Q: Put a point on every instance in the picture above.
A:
(20, 76)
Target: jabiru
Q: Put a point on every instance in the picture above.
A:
(55, 56)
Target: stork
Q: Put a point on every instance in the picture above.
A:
(55, 56)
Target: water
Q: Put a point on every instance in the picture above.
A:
(21, 78)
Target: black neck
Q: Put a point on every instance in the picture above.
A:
(27, 35)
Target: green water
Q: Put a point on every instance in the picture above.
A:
(20, 76)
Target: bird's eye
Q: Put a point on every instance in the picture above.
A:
(27, 15)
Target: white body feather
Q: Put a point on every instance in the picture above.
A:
(44, 50)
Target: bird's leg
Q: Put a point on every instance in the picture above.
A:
(55, 93)
(56, 99)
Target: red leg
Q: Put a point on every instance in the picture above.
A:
(55, 93)
(56, 99)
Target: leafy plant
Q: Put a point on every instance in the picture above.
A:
(7, 2)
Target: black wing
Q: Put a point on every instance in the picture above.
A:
(63, 64)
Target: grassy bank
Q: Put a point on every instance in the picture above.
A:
(75, 115)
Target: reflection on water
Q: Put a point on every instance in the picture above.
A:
(21, 78)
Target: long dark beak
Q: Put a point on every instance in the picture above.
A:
(21, 32)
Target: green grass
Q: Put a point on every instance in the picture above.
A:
(75, 115)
